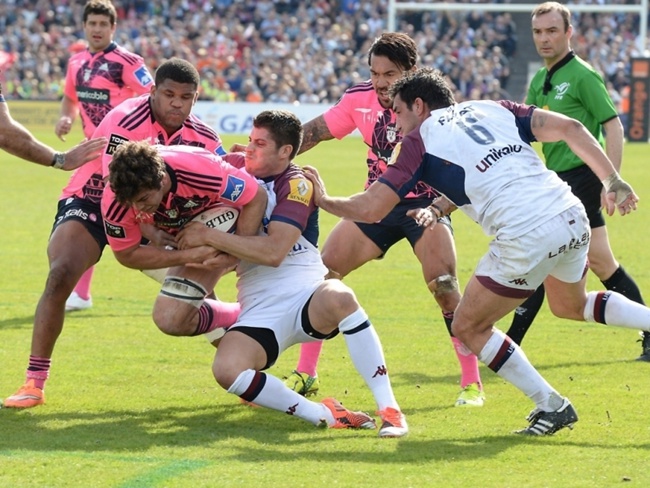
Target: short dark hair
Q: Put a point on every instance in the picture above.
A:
(177, 70)
(136, 167)
(427, 84)
(100, 7)
(546, 7)
(284, 127)
(399, 48)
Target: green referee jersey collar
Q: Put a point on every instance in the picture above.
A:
(549, 74)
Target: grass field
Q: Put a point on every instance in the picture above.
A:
(130, 407)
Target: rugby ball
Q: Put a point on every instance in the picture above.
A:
(221, 217)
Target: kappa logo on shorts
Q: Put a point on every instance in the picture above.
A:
(233, 188)
(143, 76)
(519, 282)
(115, 141)
(113, 230)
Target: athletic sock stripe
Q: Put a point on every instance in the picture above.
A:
(39, 364)
(505, 351)
(256, 386)
(600, 305)
(358, 328)
(206, 317)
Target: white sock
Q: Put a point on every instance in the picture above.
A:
(268, 391)
(611, 308)
(368, 357)
(508, 360)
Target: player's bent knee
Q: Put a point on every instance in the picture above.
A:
(232, 380)
(570, 312)
(62, 278)
(443, 285)
(335, 295)
(331, 274)
(183, 299)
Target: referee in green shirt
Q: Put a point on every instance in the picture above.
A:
(568, 85)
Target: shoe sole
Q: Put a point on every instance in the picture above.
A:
(392, 435)
(15, 405)
(469, 404)
(77, 309)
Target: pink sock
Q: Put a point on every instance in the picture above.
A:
(309, 354)
(215, 313)
(38, 370)
(83, 285)
(468, 364)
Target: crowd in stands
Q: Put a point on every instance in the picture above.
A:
(285, 50)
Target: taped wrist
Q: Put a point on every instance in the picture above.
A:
(614, 183)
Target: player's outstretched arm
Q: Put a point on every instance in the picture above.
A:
(17, 140)
(369, 206)
(84, 152)
(551, 127)
(314, 131)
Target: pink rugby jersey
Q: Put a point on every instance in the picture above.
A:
(100, 81)
(133, 120)
(360, 109)
(200, 180)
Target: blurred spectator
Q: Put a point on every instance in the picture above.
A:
(272, 50)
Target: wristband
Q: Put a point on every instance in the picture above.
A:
(441, 214)
(58, 160)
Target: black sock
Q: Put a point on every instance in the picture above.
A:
(622, 283)
(525, 314)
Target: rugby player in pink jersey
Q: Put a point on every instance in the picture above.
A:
(78, 236)
(97, 80)
(166, 186)
(368, 108)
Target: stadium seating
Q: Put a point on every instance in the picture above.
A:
(283, 50)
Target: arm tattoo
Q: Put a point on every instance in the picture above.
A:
(315, 131)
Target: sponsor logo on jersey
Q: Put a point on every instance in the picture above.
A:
(143, 76)
(93, 95)
(190, 204)
(300, 191)
(561, 90)
(113, 230)
(367, 113)
(114, 141)
(233, 189)
(495, 154)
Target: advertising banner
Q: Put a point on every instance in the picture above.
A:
(639, 116)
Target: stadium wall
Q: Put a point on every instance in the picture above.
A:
(225, 118)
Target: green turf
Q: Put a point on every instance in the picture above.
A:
(131, 407)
